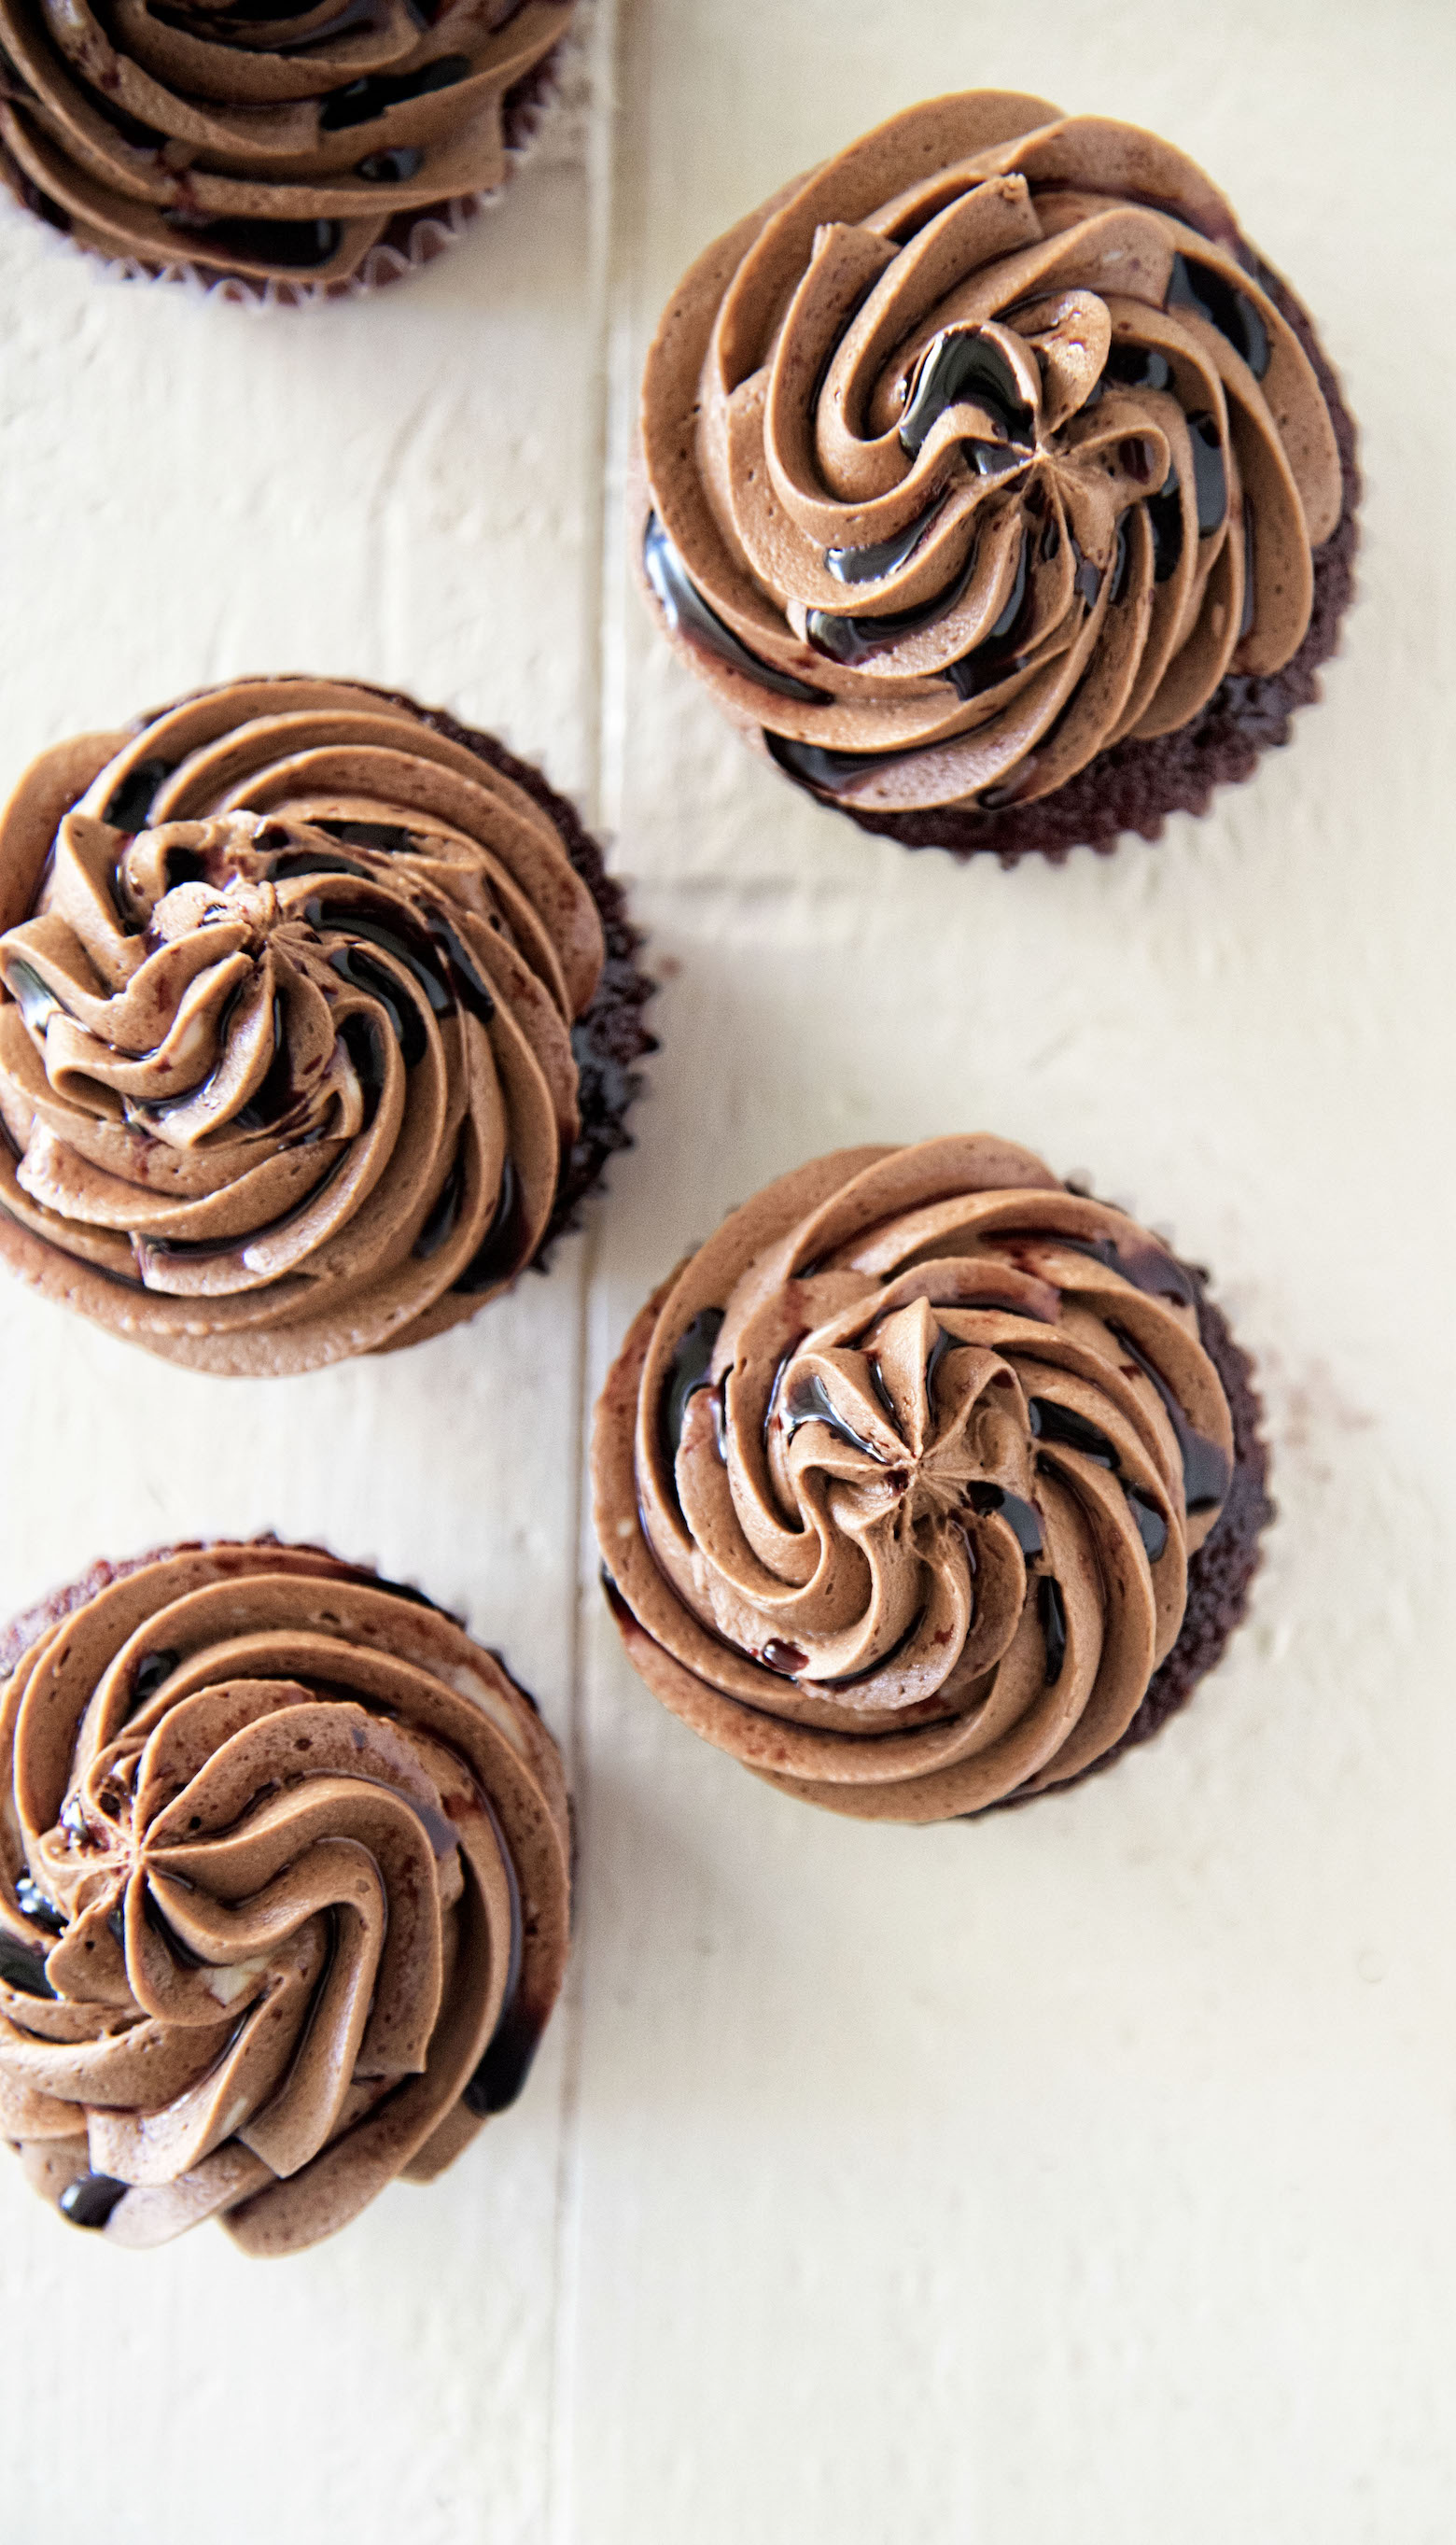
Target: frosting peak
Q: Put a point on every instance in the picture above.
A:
(981, 450)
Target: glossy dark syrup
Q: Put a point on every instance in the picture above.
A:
(388, 839)
(1164, 512)
(1151, 1525)
(182, 1954)
(1137, 366)
(809, 1401)
(503, 1246)
(829, 771)
(858, 640)
(507, 2061)
(886, 556)
(364, 100)
(686, 611)
(996, 655)
(152, 1673)
(32, 1903)
(1207, 1472)
(444, 1213)
(1246, 616)
(23, 1969)
(131, 798)
(1195, 285)
(1021, 1517)
(1051, 1610)
(687, 1371)
(783, 1658)
(358, 969)
(295, 245)
(90, 2200)
(968, 370)
(1148, 1267)
(389, 167)
(1070, 1430)
(37, 1004)
(1210, 478)
(272, 1099)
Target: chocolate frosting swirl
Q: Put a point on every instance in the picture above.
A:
(283, 1893)
(977, 451)
(286, 1059)
(257, 137)
(897, 1478)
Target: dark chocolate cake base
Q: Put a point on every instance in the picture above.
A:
(1220, 1573)
(1135, 785)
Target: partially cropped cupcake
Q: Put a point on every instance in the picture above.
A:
(318, 1019)
(996, 487)
(929, 1484)
(285, 1892)
(287, 149)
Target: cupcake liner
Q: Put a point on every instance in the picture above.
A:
(544, 112)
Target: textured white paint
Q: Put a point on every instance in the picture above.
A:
(1090, 2173)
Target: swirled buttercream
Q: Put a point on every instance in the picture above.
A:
(976, 452)
(898, 1479)
(283, 1893)
(258, 138)
(287, 1063)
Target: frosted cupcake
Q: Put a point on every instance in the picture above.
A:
(285, 1892)
(318, 1020)
(929, 1483)
(286, 150)
(994, 485)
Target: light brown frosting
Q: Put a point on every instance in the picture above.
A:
(975, 450)
(284, 1895)
(897, 1478)
(271, 141)
(286, 1061)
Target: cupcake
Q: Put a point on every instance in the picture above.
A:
(929, 1484)
(284, 1891)
(318, 1017)
(993, 484)
(290, 150)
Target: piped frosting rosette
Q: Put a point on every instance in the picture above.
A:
(287, 1067)
(283, 1894)
(899, 1479)
(276, 143)
(978, 451)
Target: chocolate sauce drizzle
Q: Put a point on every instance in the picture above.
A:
(688, 615)
(959, 369)
(885, 556)
(1021, 1517)
(1201, 288)
(1051, 1610)
(687, 1371)
(90, 2200)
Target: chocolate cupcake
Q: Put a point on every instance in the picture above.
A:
(284, 1892)
(997, 490)
(929, 1484)
(318, 1020)
(281, 148)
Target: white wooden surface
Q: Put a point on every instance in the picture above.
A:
(1091, 2174)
